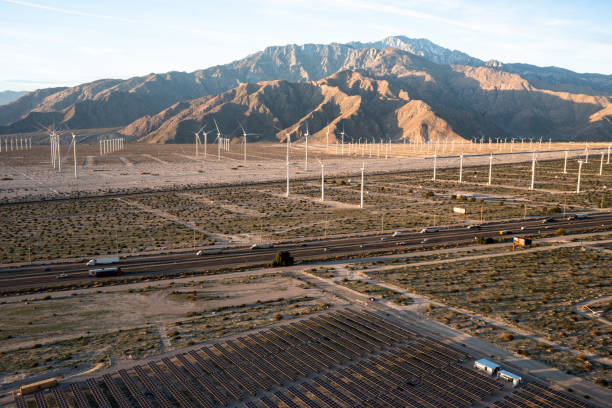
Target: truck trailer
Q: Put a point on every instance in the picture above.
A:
(101, 272)
(102, 261)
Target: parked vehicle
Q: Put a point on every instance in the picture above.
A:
(62, 275)
(397, 234)
(103, 261)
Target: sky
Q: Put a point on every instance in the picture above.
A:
(48, 43)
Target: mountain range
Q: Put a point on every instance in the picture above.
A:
(397, 88)
(10, 96)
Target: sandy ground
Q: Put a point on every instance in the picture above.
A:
(116, 308)
(28, 174)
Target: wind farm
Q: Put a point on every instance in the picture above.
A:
(334, 224)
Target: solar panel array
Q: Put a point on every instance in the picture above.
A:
(540, 396)
(339, 359)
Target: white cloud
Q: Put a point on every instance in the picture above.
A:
(96, 51)
(68, 11)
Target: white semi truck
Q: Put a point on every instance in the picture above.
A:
(103, 261)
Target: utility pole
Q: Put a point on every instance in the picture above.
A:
(579, 173)
(601, 164)
(461, 168)
(362, 171)
(565, 164)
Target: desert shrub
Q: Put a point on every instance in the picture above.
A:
(282, 258)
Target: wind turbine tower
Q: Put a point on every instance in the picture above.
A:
(490, 168)
(533, 165)
(579, 173)
(322, 180)
(306, 136)
(219, 141)
(74, 157)
(362, 171)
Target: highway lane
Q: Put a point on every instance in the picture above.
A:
(239, 256)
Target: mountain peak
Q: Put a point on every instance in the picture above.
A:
(423, 48)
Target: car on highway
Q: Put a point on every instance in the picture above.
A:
(425, 240)
(505, 232)
(401, 243)
(429, 229)
(523, 228)
(62, 276)
(372, 299)
(548, 220)
(361, 246)
(473, 227)
(397, 234)
(325, 249)
(261, 246)
(208, 251)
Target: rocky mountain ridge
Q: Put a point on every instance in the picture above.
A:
(452, 83)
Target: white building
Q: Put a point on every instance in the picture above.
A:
(487, 366)
(510, 377)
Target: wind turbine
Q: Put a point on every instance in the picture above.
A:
(533, 165)
(362, 171)
(322, 180)
(342, 134)
(490, 168)
(74, 156)
(306, 137)
(579, 173)
(205, 133)
(197, 140)
(435, 158)
(244, 140)
(218, 141)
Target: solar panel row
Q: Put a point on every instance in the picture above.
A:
(534, 394)
(353, 357)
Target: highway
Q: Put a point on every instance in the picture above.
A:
(34, 276)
